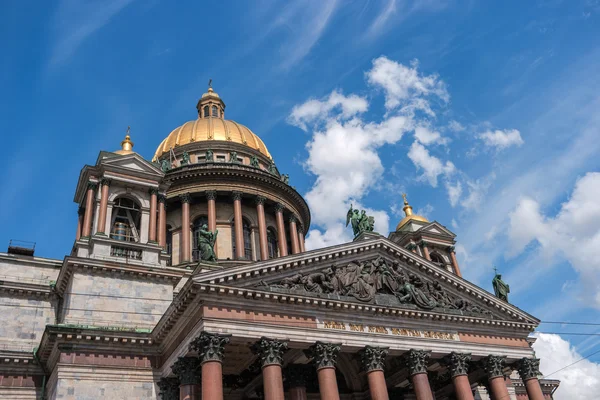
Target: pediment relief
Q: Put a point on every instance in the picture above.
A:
(132, 162)
(377, 281)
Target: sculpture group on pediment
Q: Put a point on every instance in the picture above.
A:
(360, 221)
(363, 280)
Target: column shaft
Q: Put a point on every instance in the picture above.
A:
(212, 214)
(262, 228)
(462, 387)
(189, 392)
(426, 252)
(186, 255)
(281, 239)
(238, 226)
(421, 384)
(273, 382)
(79, 225)
(328, 387)
(212, 380)
(377, 385)
(294, 236)
(498, 390)
(534, 390)
(152, 224)
(298, 393)
(162, 223)
(455, 263)
(89, 209)
(301, 240)
(103, 206)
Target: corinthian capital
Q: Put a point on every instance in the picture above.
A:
(211, 194)
(373, 358)
(187, 370)
(459, 363)
(324, 355)
(270, 351)
(210, 346)
(185, 197)
(105, 181)
(417, 361)
(494, 366)
(529, 368)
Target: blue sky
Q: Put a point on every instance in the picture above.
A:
(485, 113)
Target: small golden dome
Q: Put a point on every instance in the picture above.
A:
(126, 145)
(211, 126)
(409, 215)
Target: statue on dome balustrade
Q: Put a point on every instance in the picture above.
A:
(285, 178)
(206, 243)
(273, 169)
(360, 221)
(164, 165)
(364, 280)
(209, 156)
(185, 158)
(254, 162)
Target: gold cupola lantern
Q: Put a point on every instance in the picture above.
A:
(409, 216)
(126, 145)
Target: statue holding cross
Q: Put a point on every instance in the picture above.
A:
(501, 288)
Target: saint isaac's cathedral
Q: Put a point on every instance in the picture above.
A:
(189, 279)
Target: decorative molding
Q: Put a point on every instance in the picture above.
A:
(185, 197)
(324, 355)
(211, 194)
(417, 361)
(279, 208)
(210, 346)
(92, 186)
(153, 191)
(270, 351)
(187, 370)
(293, 218)
(494, 366)
(529, 368)
(168, 388)
(297, 375)
(105, 182)
(162, 198)
(236, 196)
(373, 358)
(260, 200)
(459, 363)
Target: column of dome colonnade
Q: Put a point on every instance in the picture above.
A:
(262, 228)
(238, 226)
(301, 238)
(211, 200)
(281, 239)
(185, 246)
(294, 235)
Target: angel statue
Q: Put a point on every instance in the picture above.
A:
(361, 222)
(206, 243)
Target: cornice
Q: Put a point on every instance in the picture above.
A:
(24, 289)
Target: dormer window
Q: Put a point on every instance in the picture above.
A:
(215, 111)
(206, 115)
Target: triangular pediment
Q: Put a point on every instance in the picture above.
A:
(131, 162)
(437, 229)
(370, 273)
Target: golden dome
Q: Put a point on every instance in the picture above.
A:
(409, 215)
(211, 126)
(126, 145)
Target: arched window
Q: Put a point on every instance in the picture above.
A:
(215, 111)
(196, 226)
(169, 240)
(206, 115)
(272, 242)
(247, 233)
(438, 259)
(125, 224)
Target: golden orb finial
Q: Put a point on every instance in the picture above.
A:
(127, 144)
(408, 211)
(407, 208)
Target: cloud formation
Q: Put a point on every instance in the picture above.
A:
(501, 139)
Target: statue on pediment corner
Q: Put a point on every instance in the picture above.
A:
(360, 221)
(501, 288)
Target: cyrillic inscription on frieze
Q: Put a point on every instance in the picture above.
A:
(378, 329)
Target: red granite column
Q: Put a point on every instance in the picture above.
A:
(162, 221)
(454, 261)
(211, 197)
(373, 362)
(270, 352)
(262, 228)
(324, 357)
(211, 349)
(529, 369)
(417, 365)
(294, 235)
(425, 251)
(238, 225)
(301, 238)
(494, 368)
(187, 370)
(152, 224)
(186, 255)
(89, 210)
(412, 247)
(281, 239)
(296, 376)
(103, 206)
(459, 369)
(79, 223)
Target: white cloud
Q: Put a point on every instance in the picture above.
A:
(425, 211)
(573, 233)
(579, 381)
(319, 110)
(454, 192)
(432, 166)
(501, 139)
(455, 126)
(477, 192)
(427, 136)
(404, 87)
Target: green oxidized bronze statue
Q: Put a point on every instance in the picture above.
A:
(209, 156)
(254, 162)
(164, 165)
(206, 243)
(501, 288)
(361, 222)
(185, 158)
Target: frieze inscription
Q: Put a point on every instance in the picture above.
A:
(343, 326)
(377, 281)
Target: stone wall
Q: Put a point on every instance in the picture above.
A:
(113, 300)
(24, 320)
(28, 269)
